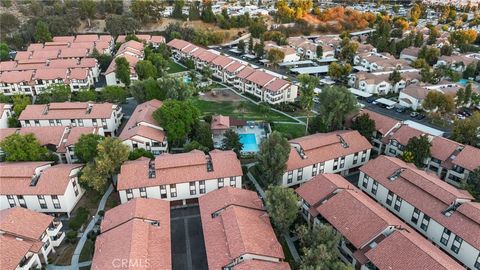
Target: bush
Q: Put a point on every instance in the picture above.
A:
(101, 213)
(79, 219)
(71, 236)
(92, 235)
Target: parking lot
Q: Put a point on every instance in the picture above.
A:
(188, 248)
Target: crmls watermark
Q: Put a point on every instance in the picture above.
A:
(130, 263)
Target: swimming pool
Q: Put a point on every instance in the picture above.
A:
(187, 79)
(249, 142)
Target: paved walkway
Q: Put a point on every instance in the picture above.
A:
(75, 264)
(288, 239)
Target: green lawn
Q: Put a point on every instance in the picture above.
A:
(87, 251)
(174, 67)
(230, 108)
(290, 131)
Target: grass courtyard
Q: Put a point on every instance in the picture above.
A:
(250, 111)
(174, 67)
(290, 131)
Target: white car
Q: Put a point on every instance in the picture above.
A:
(390, 107)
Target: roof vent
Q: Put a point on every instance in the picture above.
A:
(45, 111)
(34, 181)
(89, 108)
(155, 223)
(343, 142)
(396, 174)
(209, 164)
(151, 169)
(452, 208)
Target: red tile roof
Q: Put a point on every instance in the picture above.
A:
(241, 227)
(78, 74)
(245, 72)
(74, 53)
(68, 39)
(404, 250)
(321, 147)
(16, 177)
(264, 265)
(404, 133)
(143, 114)
(128, 234)
(86, 38)
(13, 251)
(357, 217)
(222, 61)
(426, 192)
(132, 61)
(24, 223)
(45, 54)
(276, 85)
(23, 55)
(7, 65)
(51, 74)
(45, 135)
(63, 63)
(220, 122)
(235, 66)
(207, 56)
(67, 110)
(178, 44)
(179, 168)
(468, 158)
(260, 77)
(322, 185)
(16, 76)
(443, 148)
(383, 124)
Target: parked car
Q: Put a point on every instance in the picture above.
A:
(390, 107)
(400, 109)
(360, 105)
(421, 116)
(371, 100)
(414, 114)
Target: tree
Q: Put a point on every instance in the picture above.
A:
(307, 86)
(470, 70)
(282, 206)
(339, 71)
(430, 76)
(395, 77)
(121, 24)
(364, 125)
(437, 102)
(415, 13)
(18, 147)
(54, 93)
(103, 59)
(207, 14)
(140, 152)
(231, 141)
(461, 38)
(4, 52)
(241, 46)
(257, 27)
(84, 95)
(319, 246)
(259, 49)
(446, 50)
(194, 11)
(177, 118)
(86, 147)
(349, 49)
(146, 10)
(42, 34)
(336, 103)
(420, 148)
(114, 94)
(177, 12)
(194, 145)
(472, 183)
(272, 157)
(87, 9)
(123, 70)
(202, 133)
(465, 131)
(20, 102)
(111, 153)
(275, 56)
(91, 178)
(145, 69)
(319, 51)
(429, 54)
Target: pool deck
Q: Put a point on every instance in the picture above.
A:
(258, 131)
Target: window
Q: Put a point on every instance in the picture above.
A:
(299, 174)
(389, 198)
(457, 243)
(27, 123)
(56, 202)
(75, 187)
(143, 192)
(51, 122)
(342, 162)
(355, 158)
(74, 123)
(398, 203)
(335, 164)
(59, 122)
(173, 190)
(364, 156)
(193, 188)
(374, 187)
(322, 167)
(21, 201)
(290, 177)
(11, 201)
(220, 182)
(201, 184)
(37, 123)
(42, 202)
(94, 122)
(314, 169)
(163, 192)
(365, 181)
(445, 236)
(80, 122)
(425, 222)
(415, 215)
(129, 194)
(477, 262)
(233, 181)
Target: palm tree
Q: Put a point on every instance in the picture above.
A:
(307, 86)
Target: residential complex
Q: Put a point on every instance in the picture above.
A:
(179, 178)
(83, 114)
(372, 238)
(444, 214)
(265, 85)
(27, 238)
(40, 186)
(135, 235)
(5, 113)
(143, 132)
(237, 231)
(335, 152)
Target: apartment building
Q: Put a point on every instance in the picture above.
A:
(335, 152)
(5, 113)
(240, 76)
(142, 131)
(132, 51)
(379, 82)
(384, 125)
(372, 238)
(40, 186)
(410, 54)
(154, 41)
(82, 114)
(237, 231)
(58, 139)
(135, 234)
(398, 139)
(290, 54)
(373, 61)
(457, 62)
(27, 238)
(179, 178)
(442, 213)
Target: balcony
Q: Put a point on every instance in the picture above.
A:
(54, 228)
(57, 239)
(28, 263)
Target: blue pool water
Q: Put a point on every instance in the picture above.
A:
(186, 79)
(463, 81)
(249, 142)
